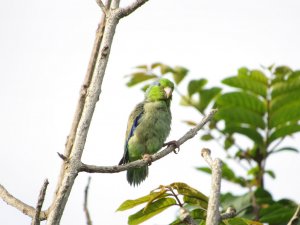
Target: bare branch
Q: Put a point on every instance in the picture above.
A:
(85, 203)
(140, 163)
(186, 217)
(36, 218)
(122, 12)
(102, 6)
(213, 213)
(295, 219)
(16, 203)
(230, 213)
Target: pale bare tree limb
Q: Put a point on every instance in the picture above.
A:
(230, 213)
(213, 213)
(122, 12)
(41, 198)
(102, 6)
(140, 163)
(83, 119)
(21, 206)
(85, 203)
(295, 219)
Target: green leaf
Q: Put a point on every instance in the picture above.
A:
(243, 100)
(186, 190)
(276, 214)
(152, 210)
(190, 122)
(246, 83)
(207, 137)
(270, 173)
(155, 65)
(195, 86)
(287, 113)
(229, 141)
(139, 77)
(241, 221)
(128, 204)
(285, 87)
(284, 131)
(259, 76)
(282, 71)
(195, 202)
(243, 71)
(284, 99)
(249, 132)
(206, 96)
(204, 169)
(240, 115)
(286, 149)
(164, 69)
(179, 73)
(143, 67)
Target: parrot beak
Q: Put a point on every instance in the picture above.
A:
(168, 92)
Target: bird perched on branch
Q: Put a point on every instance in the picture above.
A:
(148, 127)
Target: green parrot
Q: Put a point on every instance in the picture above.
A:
(148, 127)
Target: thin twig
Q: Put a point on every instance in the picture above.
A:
(122, 12)
(295, 219)
(213, 213)
(102, 6)
(85, 203)
(16, 203)
(140, 163)
(230, 213)
(36, 218)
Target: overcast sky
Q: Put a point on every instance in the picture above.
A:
(44, 52)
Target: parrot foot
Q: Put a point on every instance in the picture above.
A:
(148, 158)
(174, 143)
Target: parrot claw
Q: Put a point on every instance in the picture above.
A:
(174, 143)
(148, 158)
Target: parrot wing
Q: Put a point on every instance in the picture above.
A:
(133, 122)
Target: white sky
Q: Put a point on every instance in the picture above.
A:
(44, 52)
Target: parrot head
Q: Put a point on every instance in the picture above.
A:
(160, 90)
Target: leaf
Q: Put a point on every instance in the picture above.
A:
(155, 65)
(240, 115)
(284, 99)
(128, 204)
(285, 87)
(243, 71)
(204, 169)
(139, 77)
(282, 71)
(152, 210)
(229, 141)
(249, 132)
(188, 191)
(242, 99)
(206, 96)
(207, 137)
(246, 83)
(286, 149)
(270, 173)
(283, 132)
(259, 76)
(179, 73)
(287, 113)
(190, 123)
(241, 221)
(195, 202)
(276, 214)
(144, 67)
(164, 69)
(195, 86)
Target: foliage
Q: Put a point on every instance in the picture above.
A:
(259, 110)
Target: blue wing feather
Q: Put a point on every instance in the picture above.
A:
(139, 110)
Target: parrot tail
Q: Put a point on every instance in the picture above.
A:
(135, 176)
